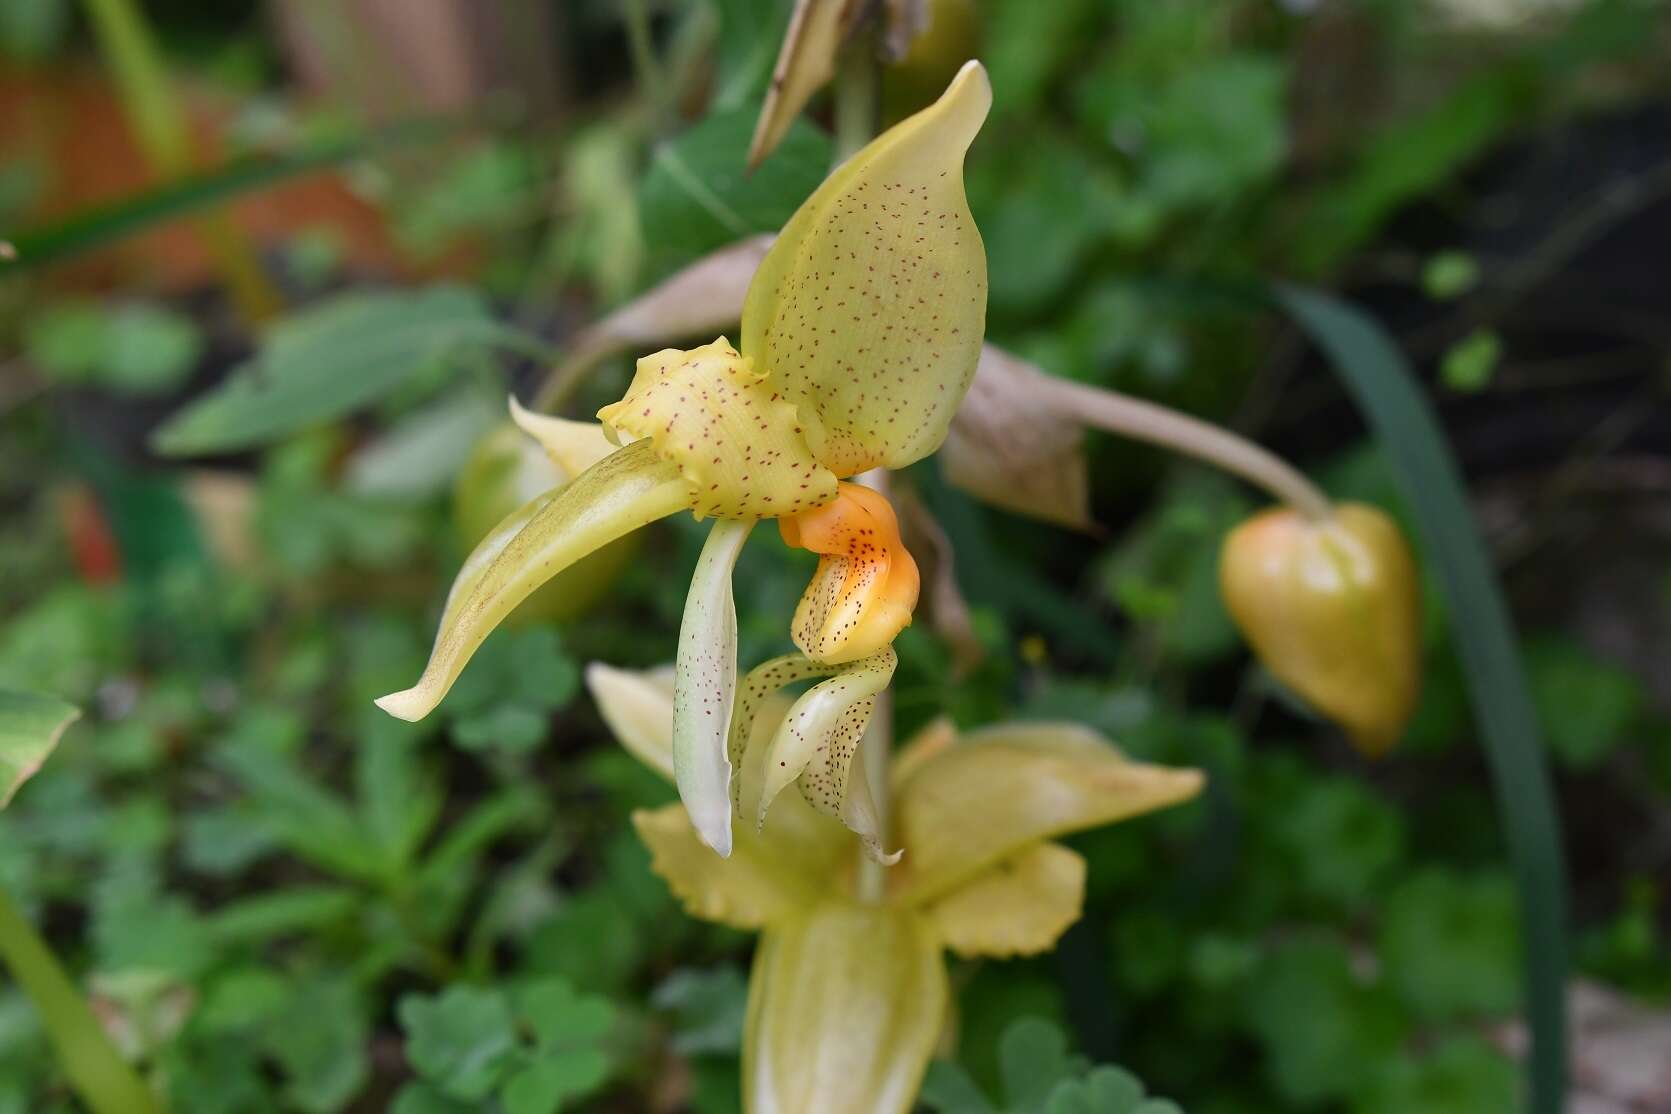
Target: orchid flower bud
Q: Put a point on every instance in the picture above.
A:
(1331, 609)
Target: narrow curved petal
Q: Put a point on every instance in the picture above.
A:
(845, 1004)
(1003, 788)
(751, 734)
(869, 309)
(705, 685)
(614, 497)
(572, 446)
(817, 741)
(1020, 905)
(638, 709)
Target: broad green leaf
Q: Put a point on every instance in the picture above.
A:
(1584, 703)
(1462, 1075)
(30, 727)
(698, 194)
(328, 361)
(1380, 380)
(461, 1040)
(1448, 943)
(1318, 1022)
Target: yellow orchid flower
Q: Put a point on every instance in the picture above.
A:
(847, 1000)
(860, 335)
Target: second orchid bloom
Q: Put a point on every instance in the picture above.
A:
(860, 336)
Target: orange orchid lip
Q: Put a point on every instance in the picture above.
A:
(867, 582)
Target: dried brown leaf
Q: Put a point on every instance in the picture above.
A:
(805, 62)
(1012, 449)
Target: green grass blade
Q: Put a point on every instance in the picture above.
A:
(102, 225)
(1380, 380)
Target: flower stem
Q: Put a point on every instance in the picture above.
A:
(858, 98)
(95, 1070)
(1159, 425)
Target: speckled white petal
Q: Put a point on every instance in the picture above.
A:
(705, 686)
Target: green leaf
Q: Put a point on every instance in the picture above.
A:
(462, 1040)
(1379, 378)
(1448, 944)
(1450, 274)
(1318, 1023)
(99, 226)
(420, 1098)
(542, 1087)
(948, 1089)
(562, 1016)
(707, 1008)
(149, 349)
(328, 361)
(1469, 364)
(1585, 704)
(319, 1041)
(30, 727)
(1032, 1058)
(302, 909)
(698, 195)
(1463, 1075)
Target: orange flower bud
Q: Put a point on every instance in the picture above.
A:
(1331, 609)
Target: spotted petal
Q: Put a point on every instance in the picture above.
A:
(869, 310)
(614, 497)
(705, 686)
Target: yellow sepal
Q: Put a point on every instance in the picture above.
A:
(1021, 905)
(869, 310)
(1003, 788)
(729, 430)
(845, 1004)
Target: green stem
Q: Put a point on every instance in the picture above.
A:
(858, 99)
(646, 67)
(94, 1068)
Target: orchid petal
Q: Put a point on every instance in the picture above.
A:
(866, 585)
(754, 885)
(705, 686)
(1019, 906)
(572, 446)
(637, 707)
(622, 492)
(1003, 788)
(869, 309)
(715, 415)
(817, 741)
(748, 743)
(845, 1004)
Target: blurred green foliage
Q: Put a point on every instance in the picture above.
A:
(283, 900)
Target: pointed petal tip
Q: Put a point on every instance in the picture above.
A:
(411, 704)
(714, 831)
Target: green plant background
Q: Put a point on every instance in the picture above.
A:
(281, 899)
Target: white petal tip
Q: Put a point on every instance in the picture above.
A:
(408, 704)
(718, 840)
